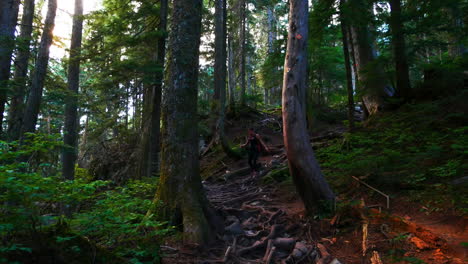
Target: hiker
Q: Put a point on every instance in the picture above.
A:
(254, 145)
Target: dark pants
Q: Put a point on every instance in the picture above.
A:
(253, 156)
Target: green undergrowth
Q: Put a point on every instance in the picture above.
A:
(78, 221)
(278, 175)
(418, 151)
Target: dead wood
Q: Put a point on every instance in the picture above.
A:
(226, 255)
(267, 251)
(270, 255)
(275, 231)
(274, 216)
(258, 245)
(285, 243)
(375, 259)
(242, 199)
(208, 147)
(239, 172)
(261, 244)
(312, 253)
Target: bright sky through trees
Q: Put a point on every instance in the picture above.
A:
(63, 24)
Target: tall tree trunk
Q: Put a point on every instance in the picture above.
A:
(403, 85)
(180, 191)
(305, 170)
(144, 146)
(457, 48)
(157, 88)
(349, 74)
(232, 73)
(243, 51)
(16, 109)
(35, 95)
(271, 23)
(220, 72)
(8, 19)
(372, 81)
(70, 137)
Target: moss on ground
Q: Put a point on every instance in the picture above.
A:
(416, 151)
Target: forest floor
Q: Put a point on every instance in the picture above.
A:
(266, 221)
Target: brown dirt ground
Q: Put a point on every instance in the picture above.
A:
(404, 229)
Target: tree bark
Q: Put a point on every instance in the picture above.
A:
(372, 81)
(349, 76)
(70, 137)
(403, 85)
(220, 72)
(182, 197)
(243, 52)
(144, 146)
(305, 170)
(271, 23)
(35, 95)
(157, 89)
(232, 73)
(16, 109)
(8, 18)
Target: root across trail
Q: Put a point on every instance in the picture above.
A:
(266, 222)
(259, 226)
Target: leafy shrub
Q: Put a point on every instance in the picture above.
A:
(104, 216)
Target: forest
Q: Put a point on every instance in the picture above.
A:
(234, 131)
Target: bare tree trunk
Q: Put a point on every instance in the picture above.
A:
(180, 191)
(305, 170)
(157, 88)
(220, 72)
(8, 19)
(232, 74)
(271, 23)
(70, 137)
(349, 77)
(403, 85)
(243, 51)
(371, 79)
(35, 95)
(15, 113)
(144, 145)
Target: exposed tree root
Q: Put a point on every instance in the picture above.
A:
(256, 229)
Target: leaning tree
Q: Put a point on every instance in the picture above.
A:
(305, 170)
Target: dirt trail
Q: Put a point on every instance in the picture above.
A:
(260, 226)
(263, 223)
(266, 223)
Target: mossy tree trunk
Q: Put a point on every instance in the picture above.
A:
(305, 170)
(180, 192)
